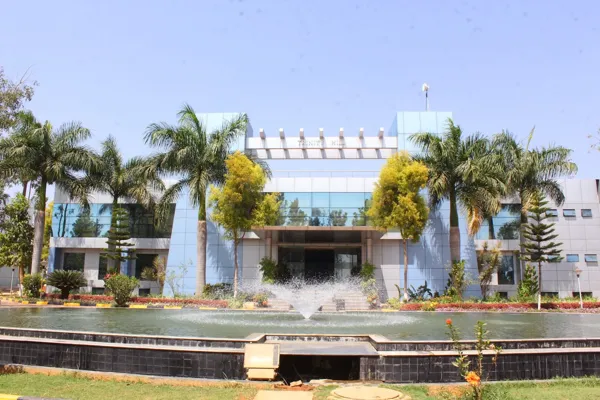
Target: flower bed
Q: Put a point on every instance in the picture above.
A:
(91, 299)
(501, 306)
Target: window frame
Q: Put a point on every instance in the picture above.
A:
(572, 214)
(571, 255)
(552, 212)
(591, 215)
(591, 258)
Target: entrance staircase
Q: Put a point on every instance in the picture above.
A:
(350, 300)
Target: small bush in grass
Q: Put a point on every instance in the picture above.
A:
(66, 281)
(32, 285)
(120, 286)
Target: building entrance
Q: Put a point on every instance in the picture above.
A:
(318, 265)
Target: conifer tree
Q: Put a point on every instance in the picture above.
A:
(119, 249)
(539, 246)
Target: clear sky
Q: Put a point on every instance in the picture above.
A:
(116, 66)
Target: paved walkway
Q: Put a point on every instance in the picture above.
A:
(278, 395)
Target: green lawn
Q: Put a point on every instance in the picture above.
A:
(82, 388)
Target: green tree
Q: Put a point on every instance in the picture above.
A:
(466, 173)
(13, 95)
(197, 158)
(241, 204)
(16, 235)
(85, 226)
(488, 261)
(52, 156)
(338, 218)
(133, 181)
(397, 202)
(47, 230)
(296, 217)
(360, 218)
(530, 171)
(539, 235)
(118, 248)
(528, 287)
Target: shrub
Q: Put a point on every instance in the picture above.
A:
(429, 306)
(121, 286)
(457, 280)
(273, 272)
(395, 303)
(218, 291)
(474, 377)
(157, 273)
(32, 285)
(367, 272)
(528, 287)
(66, 281)
(261, 299)
(419, 294)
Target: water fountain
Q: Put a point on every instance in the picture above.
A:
(307, 298)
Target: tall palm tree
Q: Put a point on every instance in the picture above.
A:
(197, 158)
(124, 180)
(51, 156)
(531, 170)
(463, 171)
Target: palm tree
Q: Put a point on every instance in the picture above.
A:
(197, 158)
(129, 180)
(531, 170)
(51, 156)
(463, 171)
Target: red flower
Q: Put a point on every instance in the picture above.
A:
(448, 322)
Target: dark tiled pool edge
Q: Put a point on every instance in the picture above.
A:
(222, 358)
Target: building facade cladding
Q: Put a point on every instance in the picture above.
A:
(319, 193)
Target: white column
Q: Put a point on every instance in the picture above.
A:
(268, 245)
(369, 248)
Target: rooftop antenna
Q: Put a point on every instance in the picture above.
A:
(425, 88)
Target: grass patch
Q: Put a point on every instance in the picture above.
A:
(85, 387)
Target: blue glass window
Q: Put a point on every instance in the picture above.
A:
(72, 220)
(569, 212)
(505, 225)
(586, 213)
(553, 212)
(324, 209)
(572, 257)
(591, 258)
(554, 258)
(506, 273)
(73, 261)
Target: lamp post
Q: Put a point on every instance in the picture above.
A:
(425, 88)
(578, 273)
(12, 278)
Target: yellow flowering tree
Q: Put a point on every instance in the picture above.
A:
(239, 204)
(398, 204)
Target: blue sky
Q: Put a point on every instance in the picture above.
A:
(116, 66)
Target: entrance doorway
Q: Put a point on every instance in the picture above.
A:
(318, 265)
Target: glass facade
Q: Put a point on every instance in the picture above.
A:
(505, 225)
(73, 220)
(506, 273)
(337, 263)
(74, 262)
(324, 209)
(143, 261)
